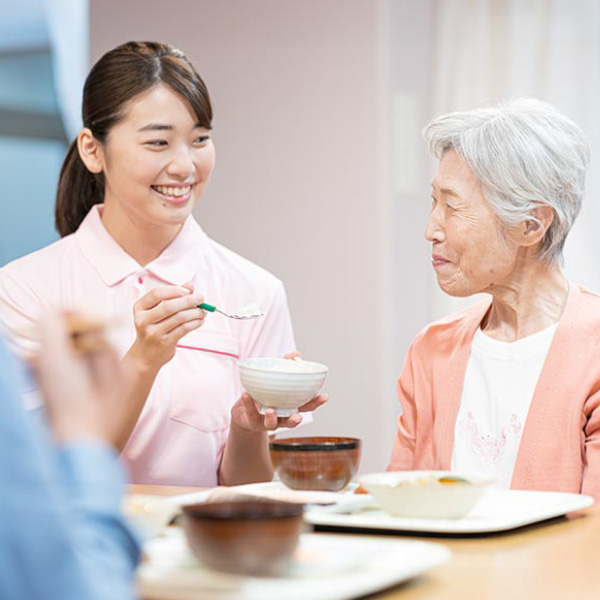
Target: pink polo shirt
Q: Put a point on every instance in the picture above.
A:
(181, 432)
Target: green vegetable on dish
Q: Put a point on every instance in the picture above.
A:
(451, 479)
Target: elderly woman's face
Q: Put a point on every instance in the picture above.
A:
(471, 252)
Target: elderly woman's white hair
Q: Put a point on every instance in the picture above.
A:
(524, 153)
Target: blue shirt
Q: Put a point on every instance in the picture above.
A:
(62, 536)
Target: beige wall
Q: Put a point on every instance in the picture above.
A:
(300, 96)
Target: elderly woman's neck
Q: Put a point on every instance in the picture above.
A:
(531, 302)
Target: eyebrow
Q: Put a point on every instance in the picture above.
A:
(449, 192)
(445, 191)
(163, 127)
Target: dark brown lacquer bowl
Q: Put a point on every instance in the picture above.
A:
(315, 463)
(246, 537)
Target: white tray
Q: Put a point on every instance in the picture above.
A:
(326, 567)
(498, 510)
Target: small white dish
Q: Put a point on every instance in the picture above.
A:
(148, 515)
(328, 567)
(420, 495)
(281, 384)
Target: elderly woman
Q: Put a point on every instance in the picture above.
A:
(511, 386)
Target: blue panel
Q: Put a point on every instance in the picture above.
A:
(29, 172)
(27, 83)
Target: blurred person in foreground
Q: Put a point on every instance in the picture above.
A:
(509, 387)
(62, 535)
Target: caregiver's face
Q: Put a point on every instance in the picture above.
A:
(157, 160)
(471, 252)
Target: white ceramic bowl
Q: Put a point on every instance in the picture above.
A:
(284, 391)
(410, 494)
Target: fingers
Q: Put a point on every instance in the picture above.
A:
(269, 421)
(162, 317)
(64, 353)
(106, 371)
(175, 334)
(56, 353)
(163, 292)
(54, 336)
(166, 308)
(314, 403)
(73, 383)
(190, 286)
(254, 420)
(290, 422)
(179, 318)
(251, 409)
(245, 414)
(292, 355)
(174, 312)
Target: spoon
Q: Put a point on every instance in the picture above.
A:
(211, 308)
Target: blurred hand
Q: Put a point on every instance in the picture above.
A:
(84, 392)
(162, 317)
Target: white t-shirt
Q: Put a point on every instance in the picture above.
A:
(497, 392)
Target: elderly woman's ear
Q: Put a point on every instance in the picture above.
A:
(532, 231)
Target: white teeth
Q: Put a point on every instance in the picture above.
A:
(173, 191)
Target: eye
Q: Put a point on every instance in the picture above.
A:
(156, 143)
(202, 140)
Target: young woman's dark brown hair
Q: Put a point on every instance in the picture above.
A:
(120, 76)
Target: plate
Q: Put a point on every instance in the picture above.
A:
(148, 515)
(344, 501)
(325, 567)
(498, 510)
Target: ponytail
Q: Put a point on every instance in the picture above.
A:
(78, 191)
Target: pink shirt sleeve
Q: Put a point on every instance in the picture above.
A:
(20, 311)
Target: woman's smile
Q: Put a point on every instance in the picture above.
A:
(175, 194)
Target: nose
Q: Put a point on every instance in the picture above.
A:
(434, 229)
(182, 163)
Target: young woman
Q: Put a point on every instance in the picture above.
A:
(124, 208)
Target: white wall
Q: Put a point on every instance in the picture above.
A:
(301, 185)
(322, 174)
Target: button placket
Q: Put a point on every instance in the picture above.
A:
(139, 282)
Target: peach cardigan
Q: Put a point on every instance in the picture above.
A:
(560, 447)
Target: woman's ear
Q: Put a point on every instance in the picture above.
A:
(90, 151)
(532, 231)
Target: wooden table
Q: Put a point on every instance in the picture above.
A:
(557, 560)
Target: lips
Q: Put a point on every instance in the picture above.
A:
(439, 261)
